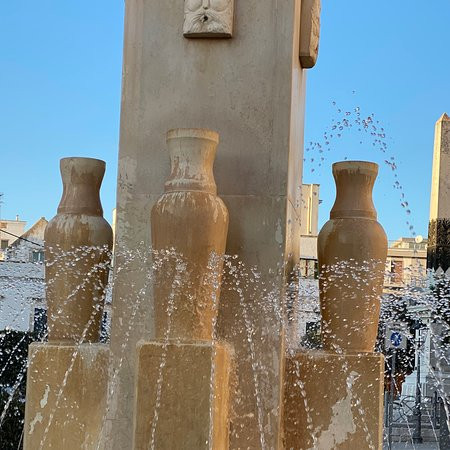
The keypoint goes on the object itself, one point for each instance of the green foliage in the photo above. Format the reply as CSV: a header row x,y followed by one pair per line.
x,y
13,364
394,310
312,338
441,293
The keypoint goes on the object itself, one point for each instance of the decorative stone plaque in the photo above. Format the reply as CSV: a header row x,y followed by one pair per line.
x,y
309,32
208,18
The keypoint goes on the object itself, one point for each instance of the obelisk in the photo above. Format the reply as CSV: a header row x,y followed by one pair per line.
x,y
236,71
438,258
439,225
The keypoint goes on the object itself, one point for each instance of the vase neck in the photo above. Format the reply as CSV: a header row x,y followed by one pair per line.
x,y
192,153
82,178
354,185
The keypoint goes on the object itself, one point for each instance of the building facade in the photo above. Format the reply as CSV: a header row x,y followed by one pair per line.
x,y
406,264
304,307
10,231
22,273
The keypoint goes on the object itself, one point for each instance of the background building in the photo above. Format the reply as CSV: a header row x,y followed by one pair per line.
x,y
22,272
304,308
10,230
406,264
309,230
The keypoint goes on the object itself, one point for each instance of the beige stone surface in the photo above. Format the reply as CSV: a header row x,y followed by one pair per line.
x,y
66,396
352,250
182,396
333,401
310,33
250,89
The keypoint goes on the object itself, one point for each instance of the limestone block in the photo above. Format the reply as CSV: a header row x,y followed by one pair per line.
x,y
309,33
66,395
182,396
333,401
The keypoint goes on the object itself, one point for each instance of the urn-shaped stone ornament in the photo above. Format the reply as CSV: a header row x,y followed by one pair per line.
x,y
189,226
78,243
352,250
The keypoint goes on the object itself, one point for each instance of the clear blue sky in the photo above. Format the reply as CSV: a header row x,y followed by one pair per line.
x,y
60,82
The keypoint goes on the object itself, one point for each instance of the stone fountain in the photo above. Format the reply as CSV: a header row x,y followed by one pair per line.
x,y
197,357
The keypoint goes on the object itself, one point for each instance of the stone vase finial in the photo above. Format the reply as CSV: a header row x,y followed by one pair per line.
x,y
78,243
190,221
352,250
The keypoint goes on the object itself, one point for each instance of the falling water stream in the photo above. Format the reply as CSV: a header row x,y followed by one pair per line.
x,y
247,283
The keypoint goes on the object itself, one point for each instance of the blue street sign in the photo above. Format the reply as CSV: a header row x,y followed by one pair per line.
x,y
396,339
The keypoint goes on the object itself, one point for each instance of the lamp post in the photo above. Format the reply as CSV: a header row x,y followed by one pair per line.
x,y
391,398
417,435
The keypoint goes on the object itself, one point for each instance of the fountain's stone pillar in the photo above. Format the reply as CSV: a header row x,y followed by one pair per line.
x,y
251,89
439,226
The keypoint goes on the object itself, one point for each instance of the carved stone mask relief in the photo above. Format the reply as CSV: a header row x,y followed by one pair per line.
x,y
208,18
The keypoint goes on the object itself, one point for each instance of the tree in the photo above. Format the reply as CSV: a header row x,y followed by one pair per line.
x,y
13,366
394,309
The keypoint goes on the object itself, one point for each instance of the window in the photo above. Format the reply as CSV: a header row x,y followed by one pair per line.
x,y
105,330
4,244
313,327
2,225
309,268
396,270
38,256
312,338
40,322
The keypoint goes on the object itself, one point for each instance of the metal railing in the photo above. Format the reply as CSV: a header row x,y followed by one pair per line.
x,y
402,423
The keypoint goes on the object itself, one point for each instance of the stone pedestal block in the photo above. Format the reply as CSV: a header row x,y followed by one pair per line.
x,y
66,396
182,396
333,401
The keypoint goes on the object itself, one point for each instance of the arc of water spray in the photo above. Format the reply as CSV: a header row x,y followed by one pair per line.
x,y
126,336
